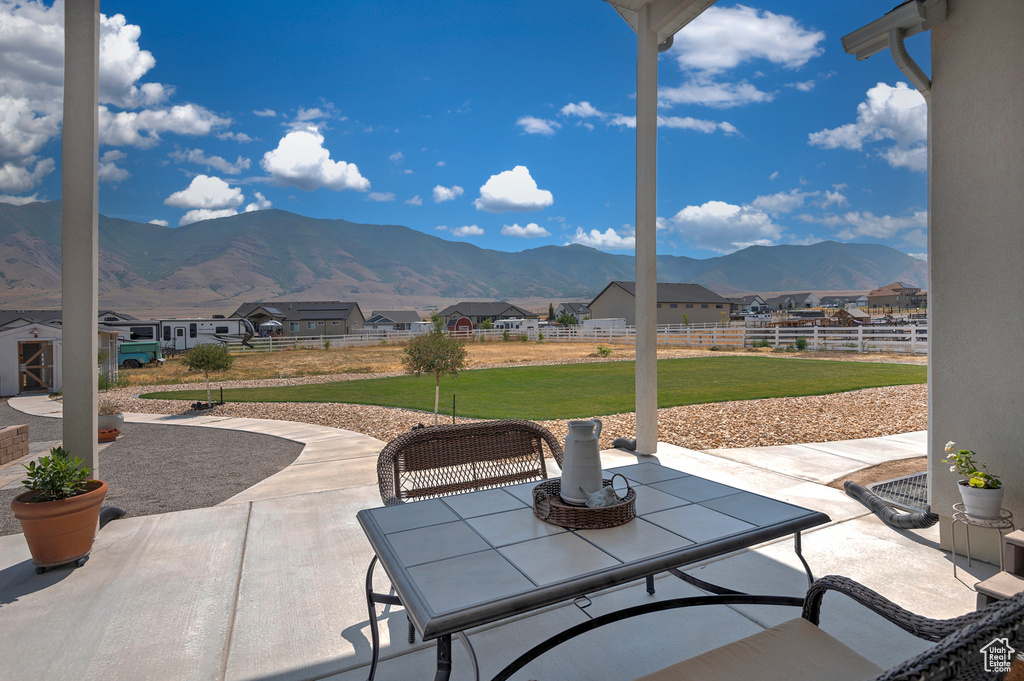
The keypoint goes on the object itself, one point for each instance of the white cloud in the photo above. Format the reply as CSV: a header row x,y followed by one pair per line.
x,y
415,201
833,198
724,37
582,110
380,196
609,239
397,157
774,175
724,228
300,160
200,214
207,193
896,113
530,231
803,86
17,179
261,203
538,126
782,202
266,113
18,200
919,256
236,136
442,228
512,190
867,224
679,122
442,194
708,93
108,169
143,128
162,223
216,162
440,164
467,230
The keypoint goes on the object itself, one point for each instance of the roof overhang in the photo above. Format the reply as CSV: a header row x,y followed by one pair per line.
x,y
910,18
667,16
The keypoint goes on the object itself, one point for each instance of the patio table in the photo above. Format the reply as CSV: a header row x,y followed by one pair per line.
x,y
466,560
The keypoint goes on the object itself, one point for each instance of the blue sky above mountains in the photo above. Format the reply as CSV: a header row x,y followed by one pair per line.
x,y
508,125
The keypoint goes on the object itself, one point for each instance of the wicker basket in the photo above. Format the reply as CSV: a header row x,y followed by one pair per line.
x,y
549,507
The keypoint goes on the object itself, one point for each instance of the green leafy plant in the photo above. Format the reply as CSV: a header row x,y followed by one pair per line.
x,y
106,382
763,343
56,476
505,336
486,324
603,351
523,337
567,318
975,474
434,353
327,343
801,343
207,358
540,337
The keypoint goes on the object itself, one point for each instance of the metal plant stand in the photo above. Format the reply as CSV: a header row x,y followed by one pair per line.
x,y
1004,523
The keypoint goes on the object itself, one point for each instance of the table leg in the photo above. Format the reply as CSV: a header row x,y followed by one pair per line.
x,y
444,658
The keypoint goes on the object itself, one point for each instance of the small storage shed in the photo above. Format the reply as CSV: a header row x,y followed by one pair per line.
x,y
460,326
31,356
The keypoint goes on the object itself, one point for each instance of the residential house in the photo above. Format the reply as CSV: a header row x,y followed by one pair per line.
x,y
849,316
11,318
579,311
838,300
792,301
477,313
297,318
677,303
392,320
751,304
896,294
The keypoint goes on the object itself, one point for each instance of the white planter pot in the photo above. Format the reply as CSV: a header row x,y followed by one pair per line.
x,y
980,502
105,421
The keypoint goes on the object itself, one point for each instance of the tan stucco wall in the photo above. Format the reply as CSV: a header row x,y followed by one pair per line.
x,y
612,303
976,246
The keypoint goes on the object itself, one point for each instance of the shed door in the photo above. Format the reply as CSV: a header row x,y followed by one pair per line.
x,y
180,343
35,366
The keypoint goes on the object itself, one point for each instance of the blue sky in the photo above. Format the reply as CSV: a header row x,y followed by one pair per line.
x,y
504,124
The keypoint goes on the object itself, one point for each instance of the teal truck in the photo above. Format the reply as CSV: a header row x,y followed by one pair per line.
x,y
132,355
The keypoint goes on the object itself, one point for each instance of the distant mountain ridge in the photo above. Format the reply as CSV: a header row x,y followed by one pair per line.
x,y
218,264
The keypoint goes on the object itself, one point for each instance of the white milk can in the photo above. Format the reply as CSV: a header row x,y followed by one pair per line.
x,y
581,462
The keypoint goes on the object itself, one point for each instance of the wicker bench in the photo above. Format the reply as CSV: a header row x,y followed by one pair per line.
x,y
798,649
441,460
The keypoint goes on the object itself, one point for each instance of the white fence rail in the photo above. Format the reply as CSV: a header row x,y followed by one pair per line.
x,y
908,339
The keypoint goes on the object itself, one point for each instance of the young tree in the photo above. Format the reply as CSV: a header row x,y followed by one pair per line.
x,y
567,318
206,358
435,353
551,312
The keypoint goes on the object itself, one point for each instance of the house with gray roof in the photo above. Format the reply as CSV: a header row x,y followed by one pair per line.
x,y
478,312
579,310
305,318
751,304
392,320
677,303
792,301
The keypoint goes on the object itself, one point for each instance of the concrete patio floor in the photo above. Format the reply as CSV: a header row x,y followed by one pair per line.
x,y
269,585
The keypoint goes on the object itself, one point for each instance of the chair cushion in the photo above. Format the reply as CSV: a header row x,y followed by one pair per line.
x,y
792,651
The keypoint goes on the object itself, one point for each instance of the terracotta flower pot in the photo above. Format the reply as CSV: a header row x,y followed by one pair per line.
x,y
108,434
62,531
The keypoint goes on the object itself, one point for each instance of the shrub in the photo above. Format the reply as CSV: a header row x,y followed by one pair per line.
x,y
801,343
383,342
763,343
56,476
505,336
107,408
327,343
523,337
540,338
106,382
603,351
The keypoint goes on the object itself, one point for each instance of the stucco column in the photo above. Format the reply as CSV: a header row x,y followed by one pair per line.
x,y
976,252
80,228
646,236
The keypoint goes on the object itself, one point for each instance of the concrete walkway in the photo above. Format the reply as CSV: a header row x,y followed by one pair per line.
x,y
269,585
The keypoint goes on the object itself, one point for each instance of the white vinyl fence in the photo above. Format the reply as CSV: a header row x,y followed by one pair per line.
x,y
909,339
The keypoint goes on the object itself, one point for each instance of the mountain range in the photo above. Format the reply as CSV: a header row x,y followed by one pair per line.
x,y
215,265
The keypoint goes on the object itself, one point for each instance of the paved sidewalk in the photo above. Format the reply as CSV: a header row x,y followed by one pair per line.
x,y
269,585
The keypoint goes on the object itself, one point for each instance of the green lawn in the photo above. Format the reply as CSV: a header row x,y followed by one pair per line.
x,y
580,390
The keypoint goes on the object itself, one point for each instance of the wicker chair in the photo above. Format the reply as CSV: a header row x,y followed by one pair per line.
x,y
798,649
442,460
433,462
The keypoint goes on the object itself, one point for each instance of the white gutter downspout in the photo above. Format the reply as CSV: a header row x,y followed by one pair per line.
x,y
908,66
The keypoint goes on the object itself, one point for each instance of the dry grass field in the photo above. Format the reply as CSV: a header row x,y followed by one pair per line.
x,y
387,359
